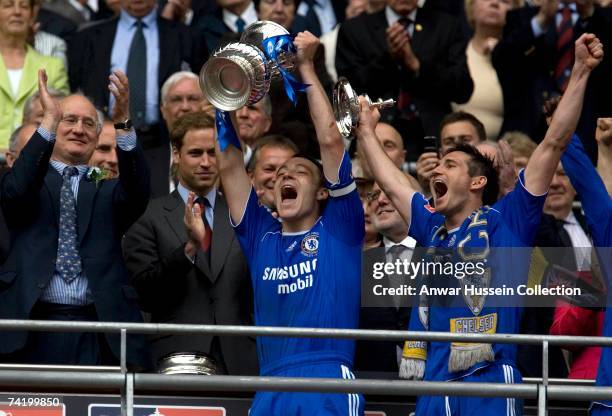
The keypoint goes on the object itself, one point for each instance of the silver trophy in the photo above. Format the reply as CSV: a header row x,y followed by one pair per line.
x,y
239,73
236,75
346,107
187,363
255,34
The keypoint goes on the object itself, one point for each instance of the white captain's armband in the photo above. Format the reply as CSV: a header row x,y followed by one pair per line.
x,y
336,193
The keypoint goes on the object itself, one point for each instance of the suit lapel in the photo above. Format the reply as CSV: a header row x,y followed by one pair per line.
x,y
104,40
85,203
53,183
29,75
167,45
223,234
379,28
175,211
5,84
425,30
174,215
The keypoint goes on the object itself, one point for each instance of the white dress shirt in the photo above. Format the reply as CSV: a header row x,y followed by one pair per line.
x,y
249,16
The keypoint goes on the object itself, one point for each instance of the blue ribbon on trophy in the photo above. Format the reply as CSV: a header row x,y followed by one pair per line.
x,y
226,134
274,47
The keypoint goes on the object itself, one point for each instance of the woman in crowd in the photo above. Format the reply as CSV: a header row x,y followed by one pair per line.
x,y
19,65
487,18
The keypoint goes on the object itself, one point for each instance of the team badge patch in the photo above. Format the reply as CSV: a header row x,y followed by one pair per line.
x,y
310,244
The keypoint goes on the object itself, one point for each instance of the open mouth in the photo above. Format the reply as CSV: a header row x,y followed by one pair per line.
x,y
440,188
288,192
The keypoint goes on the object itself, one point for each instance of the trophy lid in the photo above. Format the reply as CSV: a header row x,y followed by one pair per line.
x,y
256,32
346,107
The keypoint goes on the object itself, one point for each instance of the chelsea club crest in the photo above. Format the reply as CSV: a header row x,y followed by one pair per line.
x,y
310,244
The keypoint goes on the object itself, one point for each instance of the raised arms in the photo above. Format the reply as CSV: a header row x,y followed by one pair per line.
x,y
542,164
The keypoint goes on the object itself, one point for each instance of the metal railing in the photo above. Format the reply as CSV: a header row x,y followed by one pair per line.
x,y
76,378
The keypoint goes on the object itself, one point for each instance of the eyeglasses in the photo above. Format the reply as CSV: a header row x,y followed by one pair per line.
x,y
72,120
373,196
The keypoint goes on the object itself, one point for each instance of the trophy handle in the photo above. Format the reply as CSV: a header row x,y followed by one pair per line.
x,y
346,107
380,104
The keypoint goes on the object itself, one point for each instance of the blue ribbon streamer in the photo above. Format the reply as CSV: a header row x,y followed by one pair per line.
x,y
273,48
226,134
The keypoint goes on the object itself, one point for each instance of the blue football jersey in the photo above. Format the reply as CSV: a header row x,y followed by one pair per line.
x,y
306,279
597,207
511,222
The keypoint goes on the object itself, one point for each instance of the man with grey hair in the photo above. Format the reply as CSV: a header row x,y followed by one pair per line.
x,y
254,121
32,109
18,140
180,94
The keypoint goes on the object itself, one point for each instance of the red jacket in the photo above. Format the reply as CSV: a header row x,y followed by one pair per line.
x,y
574,320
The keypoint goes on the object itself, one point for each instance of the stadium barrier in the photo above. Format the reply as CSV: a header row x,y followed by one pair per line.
x,y
119,379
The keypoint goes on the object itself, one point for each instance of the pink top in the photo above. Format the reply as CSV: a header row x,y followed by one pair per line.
x,y
574,320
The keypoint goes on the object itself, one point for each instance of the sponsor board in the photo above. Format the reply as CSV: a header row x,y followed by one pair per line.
x,y
7,410
151,410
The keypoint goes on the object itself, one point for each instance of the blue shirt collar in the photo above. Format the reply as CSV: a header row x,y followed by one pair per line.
x,y
60,166
211,196
150,20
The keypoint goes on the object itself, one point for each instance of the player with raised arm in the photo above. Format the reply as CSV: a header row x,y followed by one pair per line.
x,y
306,269
468,218
597,206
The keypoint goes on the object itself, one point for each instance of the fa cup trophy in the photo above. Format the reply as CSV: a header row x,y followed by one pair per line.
x,y
346,107
240,73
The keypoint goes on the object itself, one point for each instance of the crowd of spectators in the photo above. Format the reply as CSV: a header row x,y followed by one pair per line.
x,y
476,72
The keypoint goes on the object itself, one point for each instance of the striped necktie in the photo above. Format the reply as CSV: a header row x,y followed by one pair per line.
x,y
68,262
565,49
205,243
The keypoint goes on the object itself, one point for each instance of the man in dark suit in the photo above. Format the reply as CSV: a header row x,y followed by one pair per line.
x,y
227,22
393,313
320,16
56,24
532,60
66,226
141,43
416,56
77,12
184,274
288,119
180,94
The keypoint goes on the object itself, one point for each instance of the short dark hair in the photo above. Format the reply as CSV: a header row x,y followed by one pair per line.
x,y
480,165
190,121
467,117
314,161
272,140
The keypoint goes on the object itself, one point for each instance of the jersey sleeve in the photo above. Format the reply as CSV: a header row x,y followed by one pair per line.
x,y
423,219
343,215
596,202
256,221
521,211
